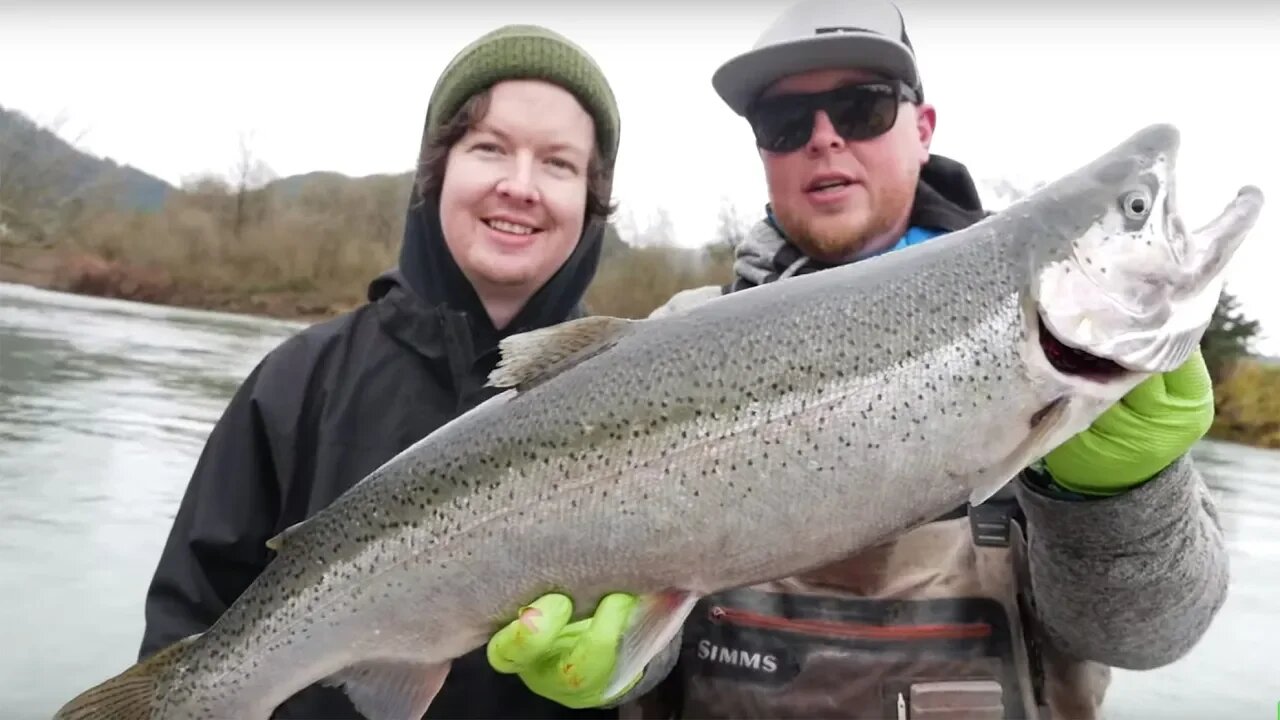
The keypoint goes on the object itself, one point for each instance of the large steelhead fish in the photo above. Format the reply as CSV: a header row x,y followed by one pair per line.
x,y
758,435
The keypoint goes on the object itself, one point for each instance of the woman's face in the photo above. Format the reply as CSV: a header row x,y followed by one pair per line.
x,y
514,194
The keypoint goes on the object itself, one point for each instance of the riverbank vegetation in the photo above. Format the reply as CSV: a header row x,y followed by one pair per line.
x,y
1248,404
305,247
1246,387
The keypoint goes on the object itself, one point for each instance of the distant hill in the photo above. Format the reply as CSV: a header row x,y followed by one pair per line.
x,y
294,185
41,172
40,165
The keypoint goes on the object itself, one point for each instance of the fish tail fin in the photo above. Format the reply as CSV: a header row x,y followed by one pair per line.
x,y
132,694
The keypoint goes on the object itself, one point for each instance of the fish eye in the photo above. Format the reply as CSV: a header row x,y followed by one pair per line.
x,y
1136,204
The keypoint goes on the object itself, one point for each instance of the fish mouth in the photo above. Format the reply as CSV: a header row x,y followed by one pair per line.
x,y
1210,247
1073,361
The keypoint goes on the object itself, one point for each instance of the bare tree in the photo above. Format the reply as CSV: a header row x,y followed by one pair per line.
x,y
249,176
732,228
660,230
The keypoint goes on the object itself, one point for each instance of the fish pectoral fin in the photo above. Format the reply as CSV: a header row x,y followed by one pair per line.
x,y
391,689
655,620
529,358
1047,426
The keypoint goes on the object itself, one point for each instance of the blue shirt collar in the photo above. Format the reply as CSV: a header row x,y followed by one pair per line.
x,y
914,235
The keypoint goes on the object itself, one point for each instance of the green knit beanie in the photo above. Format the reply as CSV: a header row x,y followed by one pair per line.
x,y
528,52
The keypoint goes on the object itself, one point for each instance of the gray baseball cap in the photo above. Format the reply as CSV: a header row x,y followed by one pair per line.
x,y
821,34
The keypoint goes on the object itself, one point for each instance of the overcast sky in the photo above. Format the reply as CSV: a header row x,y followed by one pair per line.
x,y
1025,93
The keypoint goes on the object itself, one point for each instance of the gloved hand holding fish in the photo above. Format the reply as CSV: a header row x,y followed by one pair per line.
x,y
1140,435
761,433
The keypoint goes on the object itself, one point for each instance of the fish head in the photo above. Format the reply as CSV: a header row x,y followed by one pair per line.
x,y
1116,273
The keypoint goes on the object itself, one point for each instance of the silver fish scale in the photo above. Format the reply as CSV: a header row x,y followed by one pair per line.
x,y
718,448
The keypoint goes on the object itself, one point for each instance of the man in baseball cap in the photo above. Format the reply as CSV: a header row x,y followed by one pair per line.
x,y
833,96
944,620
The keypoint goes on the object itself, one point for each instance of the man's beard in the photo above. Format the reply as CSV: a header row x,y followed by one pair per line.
x,y
840,238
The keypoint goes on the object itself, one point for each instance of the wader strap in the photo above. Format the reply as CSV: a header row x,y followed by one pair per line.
x,y
990,522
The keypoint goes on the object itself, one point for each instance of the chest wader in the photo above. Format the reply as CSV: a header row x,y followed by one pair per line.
x,y
932,626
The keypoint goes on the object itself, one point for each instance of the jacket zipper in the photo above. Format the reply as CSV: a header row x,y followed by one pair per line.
x,y
852,630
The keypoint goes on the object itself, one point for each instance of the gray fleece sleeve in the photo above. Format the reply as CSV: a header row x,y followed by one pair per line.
x,y
1133,580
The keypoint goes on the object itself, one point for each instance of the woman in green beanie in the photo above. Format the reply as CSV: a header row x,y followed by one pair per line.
x,y
502,235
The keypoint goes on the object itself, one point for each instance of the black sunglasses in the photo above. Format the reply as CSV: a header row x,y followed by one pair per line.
x,y
783,123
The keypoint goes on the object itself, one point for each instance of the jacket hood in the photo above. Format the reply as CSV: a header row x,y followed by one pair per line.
x,y
946,196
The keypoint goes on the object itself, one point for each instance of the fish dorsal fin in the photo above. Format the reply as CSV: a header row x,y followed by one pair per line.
x,y
277,542
533,357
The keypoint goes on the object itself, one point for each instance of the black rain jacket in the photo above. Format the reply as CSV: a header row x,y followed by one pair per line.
x,y
321,411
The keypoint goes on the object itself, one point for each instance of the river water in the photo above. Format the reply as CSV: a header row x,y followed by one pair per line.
x,y
104,407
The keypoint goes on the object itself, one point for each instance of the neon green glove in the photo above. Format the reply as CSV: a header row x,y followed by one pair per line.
x,y
566,663
1152,426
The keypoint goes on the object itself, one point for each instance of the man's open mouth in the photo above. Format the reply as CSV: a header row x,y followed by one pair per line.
x,y
828,184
